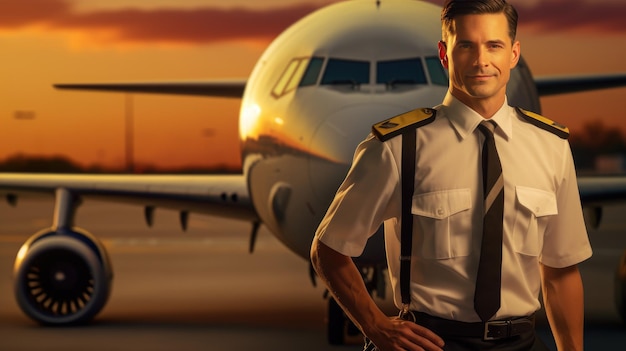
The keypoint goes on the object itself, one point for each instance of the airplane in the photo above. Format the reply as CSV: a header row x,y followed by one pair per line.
x,y
311,98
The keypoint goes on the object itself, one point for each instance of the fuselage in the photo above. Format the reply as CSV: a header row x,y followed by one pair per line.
x,y
315,93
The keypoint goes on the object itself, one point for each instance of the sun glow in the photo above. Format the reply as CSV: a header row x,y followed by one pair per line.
x,y
248,120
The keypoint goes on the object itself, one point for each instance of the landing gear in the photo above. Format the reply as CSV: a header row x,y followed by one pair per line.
x,y
620,288
62,278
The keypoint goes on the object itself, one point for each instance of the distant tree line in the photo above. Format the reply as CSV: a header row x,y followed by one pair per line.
x,y
60,164
596,139
40,164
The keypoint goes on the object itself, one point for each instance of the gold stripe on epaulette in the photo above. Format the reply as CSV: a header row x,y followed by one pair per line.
x,y
545,123
393,126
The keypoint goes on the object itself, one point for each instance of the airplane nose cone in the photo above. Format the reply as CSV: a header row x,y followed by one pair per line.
x,y
341,132
337,138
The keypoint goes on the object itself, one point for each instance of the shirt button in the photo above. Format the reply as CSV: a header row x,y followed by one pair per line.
x,y
537,209
440,211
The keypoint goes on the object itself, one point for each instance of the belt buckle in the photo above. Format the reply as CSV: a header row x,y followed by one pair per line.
x,y
486,332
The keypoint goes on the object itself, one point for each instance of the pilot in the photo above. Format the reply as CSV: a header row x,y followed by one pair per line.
x,y
480,207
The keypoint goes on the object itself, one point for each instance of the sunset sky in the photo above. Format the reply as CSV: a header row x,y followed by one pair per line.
x,y
68,41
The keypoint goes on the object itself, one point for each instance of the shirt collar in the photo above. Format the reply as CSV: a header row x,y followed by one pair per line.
x,y
465,120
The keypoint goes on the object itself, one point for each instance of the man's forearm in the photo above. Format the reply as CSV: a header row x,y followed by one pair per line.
x,y
563,300
346,284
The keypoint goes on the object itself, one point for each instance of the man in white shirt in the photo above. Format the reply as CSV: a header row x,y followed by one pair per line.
x,y
542,233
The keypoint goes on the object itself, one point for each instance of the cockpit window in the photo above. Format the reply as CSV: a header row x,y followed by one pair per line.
x,y
437,74
300,71
305,71
285,78
407,71
312,71
346,72
297,74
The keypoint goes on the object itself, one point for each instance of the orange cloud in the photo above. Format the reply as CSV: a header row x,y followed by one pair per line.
x,y
587,16
17,14
210,24
197,25
602,17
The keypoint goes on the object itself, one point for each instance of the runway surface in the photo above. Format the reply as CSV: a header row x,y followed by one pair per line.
x,y
201,290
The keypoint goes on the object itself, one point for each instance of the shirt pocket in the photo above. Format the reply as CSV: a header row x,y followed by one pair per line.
x,y
534,208
443,224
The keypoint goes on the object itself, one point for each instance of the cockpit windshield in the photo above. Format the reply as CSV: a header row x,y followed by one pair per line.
x,y
407,71
350,72
312,71
306,71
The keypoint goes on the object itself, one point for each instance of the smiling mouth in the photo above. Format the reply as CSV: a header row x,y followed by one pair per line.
x,y
480,77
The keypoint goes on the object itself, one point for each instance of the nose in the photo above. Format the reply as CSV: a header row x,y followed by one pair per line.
x,y
481,57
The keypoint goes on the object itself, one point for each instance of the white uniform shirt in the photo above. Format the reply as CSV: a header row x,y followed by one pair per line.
x,y
543,219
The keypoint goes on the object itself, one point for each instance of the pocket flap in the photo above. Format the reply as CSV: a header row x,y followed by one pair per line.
x,y
442,204
537,201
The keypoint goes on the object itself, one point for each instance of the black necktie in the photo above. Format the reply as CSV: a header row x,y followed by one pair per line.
x,y
487,293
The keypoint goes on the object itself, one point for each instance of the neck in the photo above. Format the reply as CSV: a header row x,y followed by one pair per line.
x,y
486,107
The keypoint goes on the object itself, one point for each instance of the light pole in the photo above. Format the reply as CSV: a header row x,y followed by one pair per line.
x,y
129,147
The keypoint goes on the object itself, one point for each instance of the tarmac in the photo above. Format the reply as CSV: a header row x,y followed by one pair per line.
x,y
202,290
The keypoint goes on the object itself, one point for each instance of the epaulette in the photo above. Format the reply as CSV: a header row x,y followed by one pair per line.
x,y
393,126
545,123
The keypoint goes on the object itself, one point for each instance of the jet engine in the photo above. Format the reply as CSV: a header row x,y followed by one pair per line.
x,y
62,277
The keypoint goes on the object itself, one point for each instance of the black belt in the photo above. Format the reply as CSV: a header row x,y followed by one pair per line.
x,y
491,330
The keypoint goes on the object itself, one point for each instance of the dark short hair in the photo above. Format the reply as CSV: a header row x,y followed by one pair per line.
x,y
453,8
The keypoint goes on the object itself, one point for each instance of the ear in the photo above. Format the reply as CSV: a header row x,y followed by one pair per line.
x,y
443,57
515,53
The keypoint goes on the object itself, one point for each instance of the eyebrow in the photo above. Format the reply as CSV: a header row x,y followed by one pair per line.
x,y
496,41
493,41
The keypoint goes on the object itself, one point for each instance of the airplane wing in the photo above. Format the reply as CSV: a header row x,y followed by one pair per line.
x,y
232,88
226,196
596,191
222,195
571,84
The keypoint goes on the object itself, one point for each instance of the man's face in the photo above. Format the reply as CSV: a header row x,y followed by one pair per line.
x,y
479,57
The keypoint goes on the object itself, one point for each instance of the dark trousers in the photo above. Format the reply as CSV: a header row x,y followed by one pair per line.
x,y
461,336
526,342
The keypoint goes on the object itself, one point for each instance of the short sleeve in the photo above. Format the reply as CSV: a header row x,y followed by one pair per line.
x,y
363,201
566,241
